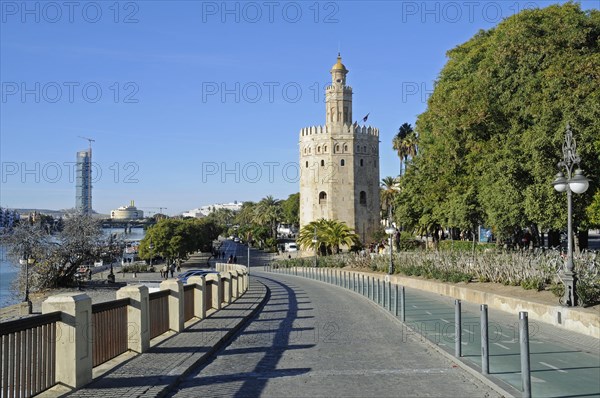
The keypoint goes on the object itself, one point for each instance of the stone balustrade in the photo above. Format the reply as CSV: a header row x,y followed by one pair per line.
x,y
74,328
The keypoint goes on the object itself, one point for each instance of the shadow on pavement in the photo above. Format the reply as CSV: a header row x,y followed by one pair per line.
x,y
263,340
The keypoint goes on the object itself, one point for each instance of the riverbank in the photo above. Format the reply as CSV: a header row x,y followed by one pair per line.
x,y
101,291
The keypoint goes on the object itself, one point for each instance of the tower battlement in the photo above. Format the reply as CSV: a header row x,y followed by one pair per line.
x,y
346,89
346,129
368,130
313,130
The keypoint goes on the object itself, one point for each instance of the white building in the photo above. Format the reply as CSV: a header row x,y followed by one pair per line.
x,y
206,210
127,213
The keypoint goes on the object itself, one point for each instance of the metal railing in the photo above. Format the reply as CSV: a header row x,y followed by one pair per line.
x,y
159,313
109,322
27,355
188,302
210,285
224,283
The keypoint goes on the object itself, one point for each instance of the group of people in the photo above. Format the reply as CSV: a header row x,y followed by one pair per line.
x,y
221,255
164,271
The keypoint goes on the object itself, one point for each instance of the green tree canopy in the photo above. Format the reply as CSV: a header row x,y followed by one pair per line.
x,y
291,209
175,239
492,134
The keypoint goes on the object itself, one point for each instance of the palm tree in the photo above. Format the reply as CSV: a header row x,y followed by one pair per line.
x,y
390,187
404,144
331,235
267,212
339,234
307,235
411,145
246,214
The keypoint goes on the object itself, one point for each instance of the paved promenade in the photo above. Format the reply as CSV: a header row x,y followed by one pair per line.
x,y
318,340
152,373
563,363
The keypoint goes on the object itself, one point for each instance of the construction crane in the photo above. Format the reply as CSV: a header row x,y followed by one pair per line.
x,y
160,209
90,140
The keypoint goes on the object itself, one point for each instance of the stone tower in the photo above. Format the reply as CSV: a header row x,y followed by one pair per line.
x,y
339,164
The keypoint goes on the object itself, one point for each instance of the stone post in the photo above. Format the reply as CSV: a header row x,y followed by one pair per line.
x,y
138,317
226,278
74,337
235,280
244,278
199,283
176,318
242,282
216,293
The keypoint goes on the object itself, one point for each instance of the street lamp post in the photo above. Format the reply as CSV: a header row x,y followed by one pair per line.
x,y
249,236
27,261
315,241
577,183
390,231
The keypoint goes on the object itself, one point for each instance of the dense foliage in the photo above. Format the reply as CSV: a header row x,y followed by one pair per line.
x,y
175,239
492,134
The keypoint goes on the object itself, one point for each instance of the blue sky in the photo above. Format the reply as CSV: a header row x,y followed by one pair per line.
x,y
200,102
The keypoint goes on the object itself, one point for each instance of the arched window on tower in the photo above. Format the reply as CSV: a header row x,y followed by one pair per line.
x,y
361,163
322,163
365,149
342,162
337,148
325,149
307,164
318,149
358,148
345,147
363,198
322,198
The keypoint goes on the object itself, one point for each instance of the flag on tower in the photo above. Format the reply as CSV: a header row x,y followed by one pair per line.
x,y
366,117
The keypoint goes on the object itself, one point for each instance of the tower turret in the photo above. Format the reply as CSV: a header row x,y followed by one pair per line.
x,y
339,164
338,98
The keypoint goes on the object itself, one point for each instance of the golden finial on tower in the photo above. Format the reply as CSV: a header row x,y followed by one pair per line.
x,y
339,65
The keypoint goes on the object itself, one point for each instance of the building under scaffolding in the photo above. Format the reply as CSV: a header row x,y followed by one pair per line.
x,y
83,194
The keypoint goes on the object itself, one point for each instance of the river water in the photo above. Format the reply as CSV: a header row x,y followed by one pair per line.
x,y
8,273
9,268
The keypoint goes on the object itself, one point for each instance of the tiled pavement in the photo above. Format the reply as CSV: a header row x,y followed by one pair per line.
x,y
563,363
150,374
314,340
